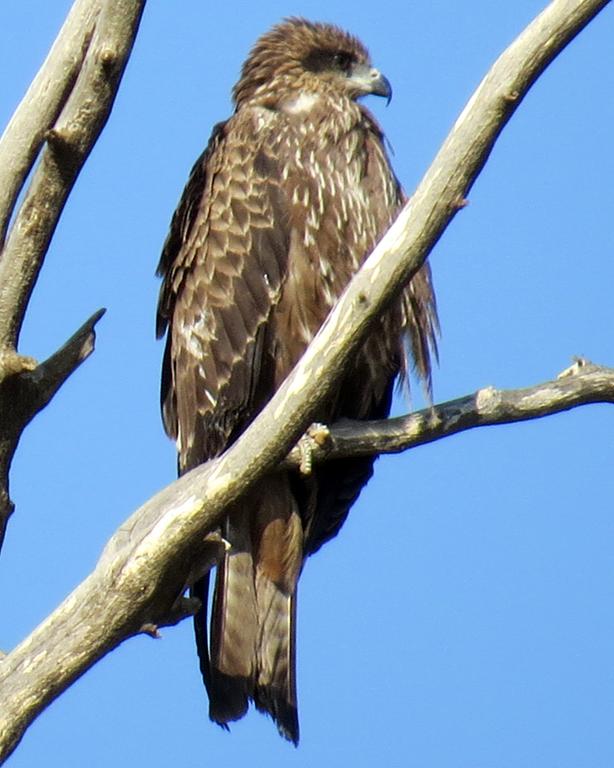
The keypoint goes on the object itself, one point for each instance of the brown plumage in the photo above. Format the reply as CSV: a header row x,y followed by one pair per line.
x,y
288,199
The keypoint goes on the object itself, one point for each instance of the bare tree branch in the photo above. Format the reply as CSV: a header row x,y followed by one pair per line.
x,y
69,140
582,385
49,376
42,104
25,389
60,118
138,582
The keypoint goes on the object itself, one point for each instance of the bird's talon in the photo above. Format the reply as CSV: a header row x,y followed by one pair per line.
x,y
316,436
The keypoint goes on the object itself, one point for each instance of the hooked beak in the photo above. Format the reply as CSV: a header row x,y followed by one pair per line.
x,y
371,80
380,85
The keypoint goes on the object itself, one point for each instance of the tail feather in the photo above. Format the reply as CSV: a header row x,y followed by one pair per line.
x,y
253,622
200,590
233,629
275,690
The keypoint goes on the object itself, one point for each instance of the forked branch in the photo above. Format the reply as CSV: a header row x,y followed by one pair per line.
x,y
57,123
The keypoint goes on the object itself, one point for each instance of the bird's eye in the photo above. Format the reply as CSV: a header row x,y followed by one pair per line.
x,y
323,59
342,61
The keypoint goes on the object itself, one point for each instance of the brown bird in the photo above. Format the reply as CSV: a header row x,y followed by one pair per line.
x,y
291,194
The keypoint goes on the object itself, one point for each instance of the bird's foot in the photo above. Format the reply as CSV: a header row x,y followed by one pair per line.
x,y
316,437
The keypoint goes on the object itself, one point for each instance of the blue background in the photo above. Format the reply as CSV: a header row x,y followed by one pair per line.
x,y
464,617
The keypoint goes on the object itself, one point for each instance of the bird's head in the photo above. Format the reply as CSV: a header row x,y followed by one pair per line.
x,y
303,57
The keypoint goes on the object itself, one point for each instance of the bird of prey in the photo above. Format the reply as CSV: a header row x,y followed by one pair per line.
x,y
290,196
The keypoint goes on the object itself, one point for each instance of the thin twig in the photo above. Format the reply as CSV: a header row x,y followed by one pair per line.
x,y
486,407
25,389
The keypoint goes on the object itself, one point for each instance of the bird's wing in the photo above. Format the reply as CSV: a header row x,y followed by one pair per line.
x,y
223,266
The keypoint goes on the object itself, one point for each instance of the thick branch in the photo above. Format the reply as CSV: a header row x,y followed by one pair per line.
x,y
142,570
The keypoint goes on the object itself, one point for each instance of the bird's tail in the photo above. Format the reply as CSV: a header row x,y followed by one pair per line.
x,y
234,626
275,685
254,607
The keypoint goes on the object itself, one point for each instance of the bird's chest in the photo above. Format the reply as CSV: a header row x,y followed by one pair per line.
x,y
339,202
329,201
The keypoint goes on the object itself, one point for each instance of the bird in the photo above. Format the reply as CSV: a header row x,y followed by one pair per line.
x,y
291,194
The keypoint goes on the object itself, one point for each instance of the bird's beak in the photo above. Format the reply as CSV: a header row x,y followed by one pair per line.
x,y
371,80
380,85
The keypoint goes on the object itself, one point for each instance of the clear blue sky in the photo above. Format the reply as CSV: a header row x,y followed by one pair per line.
x,y
464,618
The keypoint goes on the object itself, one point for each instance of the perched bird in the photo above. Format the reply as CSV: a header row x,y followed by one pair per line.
x,y
291,194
